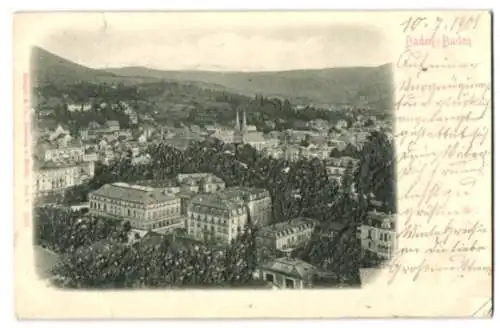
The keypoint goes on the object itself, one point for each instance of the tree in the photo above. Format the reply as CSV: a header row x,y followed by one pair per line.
x,y
306,141
376,174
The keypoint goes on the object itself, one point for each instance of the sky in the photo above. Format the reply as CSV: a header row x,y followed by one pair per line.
x,y
228,41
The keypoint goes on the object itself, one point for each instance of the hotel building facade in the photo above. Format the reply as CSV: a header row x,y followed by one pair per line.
x,y
378,234
212,218
53,177
144,207
286,236
256,200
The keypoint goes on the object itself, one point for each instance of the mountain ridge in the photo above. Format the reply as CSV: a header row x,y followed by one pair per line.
x,y
328,85
358,86
47,67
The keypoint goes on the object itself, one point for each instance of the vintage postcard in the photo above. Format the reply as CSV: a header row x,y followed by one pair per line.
x,y
253,164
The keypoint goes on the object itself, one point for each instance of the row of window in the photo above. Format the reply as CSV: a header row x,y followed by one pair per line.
x,y
155,225
293,240
98,199
380,248
214,211
55,184
213,228
212,220
135,214
131,204
216,238
383,236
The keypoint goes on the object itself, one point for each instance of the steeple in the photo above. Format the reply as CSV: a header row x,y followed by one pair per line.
x,y
237,125
244,126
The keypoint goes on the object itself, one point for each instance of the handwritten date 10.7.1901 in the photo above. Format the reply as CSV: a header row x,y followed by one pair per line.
x,y
438,24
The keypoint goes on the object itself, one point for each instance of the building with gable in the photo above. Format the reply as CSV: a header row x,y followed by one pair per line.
x,y
287,273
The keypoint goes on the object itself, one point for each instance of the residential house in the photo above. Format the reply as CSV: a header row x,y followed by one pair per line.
x,y
287,273
286,236
378,234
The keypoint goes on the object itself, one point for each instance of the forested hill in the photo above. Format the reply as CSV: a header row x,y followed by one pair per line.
x,y
48,68
371,86
357,86
57,81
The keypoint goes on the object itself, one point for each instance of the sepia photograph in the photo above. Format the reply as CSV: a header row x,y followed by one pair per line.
x,y
269,164
150,172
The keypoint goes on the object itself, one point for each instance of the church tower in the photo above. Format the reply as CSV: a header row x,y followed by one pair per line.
x,y
244,127
240,130
237,129
237,125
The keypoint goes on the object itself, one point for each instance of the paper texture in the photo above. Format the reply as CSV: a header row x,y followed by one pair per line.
x,y
442,266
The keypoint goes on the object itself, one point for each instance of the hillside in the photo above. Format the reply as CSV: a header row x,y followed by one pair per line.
x,y
48,68
354,85
359,86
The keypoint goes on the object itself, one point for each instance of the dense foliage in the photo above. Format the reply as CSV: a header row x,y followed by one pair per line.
x,y
297,189
65,231
158,262
173,103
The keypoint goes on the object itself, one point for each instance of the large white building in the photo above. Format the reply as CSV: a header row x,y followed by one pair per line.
x,y
257,200
144,207
212,218
95,130
378,234
286,236
53,177
221,216
223,134
337,166
71,151
190,182
201,182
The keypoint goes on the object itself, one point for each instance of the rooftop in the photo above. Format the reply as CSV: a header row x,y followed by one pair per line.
x,y
254,136
157,183
377,215
288,227
134,193
217,201
198,177
241,193
381,220
290,267
50,165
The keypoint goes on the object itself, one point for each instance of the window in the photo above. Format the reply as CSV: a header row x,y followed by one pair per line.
x,y
270,277
289,283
